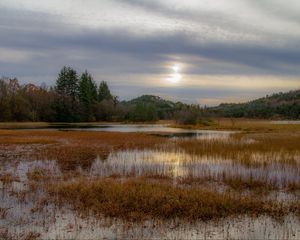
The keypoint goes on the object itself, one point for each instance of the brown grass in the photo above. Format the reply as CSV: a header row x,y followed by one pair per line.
x,y
8,178
272,147
154,195
240,184
106,140
3,212
293,187
38,174
31,235
21,125
6,235
139,200
236,183
25,140
83,147
243,124
73,149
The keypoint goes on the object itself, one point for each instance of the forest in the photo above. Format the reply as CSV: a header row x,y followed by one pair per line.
x,y
276,106
77,98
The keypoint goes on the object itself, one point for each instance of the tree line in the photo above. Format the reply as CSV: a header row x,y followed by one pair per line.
x,y
276,106
73,98
77,98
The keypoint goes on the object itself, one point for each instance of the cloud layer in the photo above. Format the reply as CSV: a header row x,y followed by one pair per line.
x,y
227,50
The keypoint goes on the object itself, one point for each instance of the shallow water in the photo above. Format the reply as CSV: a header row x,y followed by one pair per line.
x,y
63,223
161,130
180,164
66,225
53,222
155,129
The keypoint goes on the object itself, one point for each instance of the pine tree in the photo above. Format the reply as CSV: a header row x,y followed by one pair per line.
x,y
104,92
67,82
87,94
67,87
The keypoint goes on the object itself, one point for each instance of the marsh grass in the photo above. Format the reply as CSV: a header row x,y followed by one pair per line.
x,y
83,148
293,187
136,176
39,174
3,212
22,125
71,157
261,151
8,178
71,149
243,124
239,184
31,236
235,182
191,169
25,140
139,200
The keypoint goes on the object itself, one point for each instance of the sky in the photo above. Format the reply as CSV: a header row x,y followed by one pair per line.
x,y
195,51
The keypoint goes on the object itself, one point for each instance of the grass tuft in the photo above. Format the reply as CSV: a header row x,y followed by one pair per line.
x,y
137,200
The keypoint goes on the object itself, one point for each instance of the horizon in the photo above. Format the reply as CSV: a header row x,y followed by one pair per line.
x,y
174,101
197,52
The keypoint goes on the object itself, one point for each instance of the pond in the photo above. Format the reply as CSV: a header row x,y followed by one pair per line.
x,y
153,129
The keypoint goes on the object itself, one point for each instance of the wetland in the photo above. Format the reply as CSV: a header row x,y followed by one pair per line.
x,y
150,181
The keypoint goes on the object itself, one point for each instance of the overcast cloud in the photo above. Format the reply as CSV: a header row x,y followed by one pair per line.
x,y
224,51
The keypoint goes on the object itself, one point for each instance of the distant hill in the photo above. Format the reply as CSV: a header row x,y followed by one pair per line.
x,y
275,106
164,108
279,105
157,101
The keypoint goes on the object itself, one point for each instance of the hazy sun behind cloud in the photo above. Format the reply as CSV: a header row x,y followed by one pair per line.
x,y
176,76
172,46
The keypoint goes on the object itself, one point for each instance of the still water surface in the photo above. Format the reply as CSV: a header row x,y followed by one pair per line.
x,y
156,129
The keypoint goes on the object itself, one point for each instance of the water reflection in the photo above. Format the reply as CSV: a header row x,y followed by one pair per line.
x,y
179,164
56,223
153,129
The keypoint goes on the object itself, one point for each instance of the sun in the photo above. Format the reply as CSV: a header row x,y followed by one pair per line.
x,y
175,76
175,68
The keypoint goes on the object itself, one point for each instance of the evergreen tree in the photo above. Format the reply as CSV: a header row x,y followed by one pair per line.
x,y
67,105
87,95
144,112
104,92
67,82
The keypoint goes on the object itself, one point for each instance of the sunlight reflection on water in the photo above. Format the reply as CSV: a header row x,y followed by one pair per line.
x,y
179,164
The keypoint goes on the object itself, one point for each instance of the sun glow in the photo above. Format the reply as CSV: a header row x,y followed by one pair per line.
x,y
175,77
